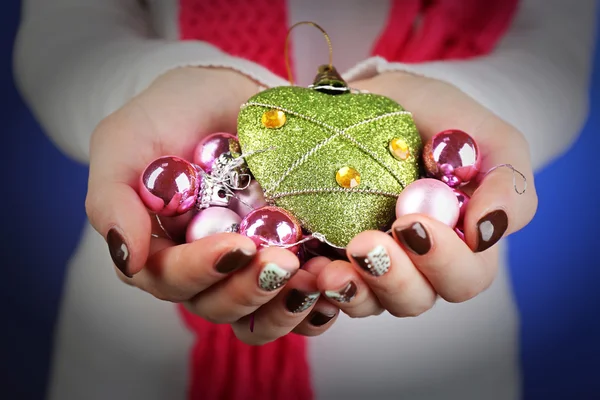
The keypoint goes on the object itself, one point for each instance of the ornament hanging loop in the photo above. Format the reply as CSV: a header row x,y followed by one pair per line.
x,y
286,50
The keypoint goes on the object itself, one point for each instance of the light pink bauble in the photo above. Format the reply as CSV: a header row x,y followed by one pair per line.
x,y
169,186
211,221
248,199
210,148
272,226
430,197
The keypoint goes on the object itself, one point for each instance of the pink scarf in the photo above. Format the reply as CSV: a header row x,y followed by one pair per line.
x,y
416,31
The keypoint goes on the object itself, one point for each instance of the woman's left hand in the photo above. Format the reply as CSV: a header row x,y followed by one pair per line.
x,y
426,257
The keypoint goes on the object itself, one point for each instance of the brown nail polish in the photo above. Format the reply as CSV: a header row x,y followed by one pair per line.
x,y
376,263
414,238
320,319
234,260
298,301
490,229
343,296
119,252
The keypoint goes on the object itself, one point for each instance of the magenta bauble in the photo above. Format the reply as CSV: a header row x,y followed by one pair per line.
x,y
211,148
453,157
271,226
169,186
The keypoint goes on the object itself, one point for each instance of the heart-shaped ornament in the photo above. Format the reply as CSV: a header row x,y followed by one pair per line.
x,y
337,162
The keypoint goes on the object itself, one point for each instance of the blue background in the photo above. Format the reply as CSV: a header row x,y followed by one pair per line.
x,y
556,286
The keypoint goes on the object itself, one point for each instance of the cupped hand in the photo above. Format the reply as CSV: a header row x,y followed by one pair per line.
x,y
170,118
424,258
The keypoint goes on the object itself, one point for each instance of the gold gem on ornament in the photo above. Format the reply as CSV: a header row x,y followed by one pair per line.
x,y
347,177
399,149
273,119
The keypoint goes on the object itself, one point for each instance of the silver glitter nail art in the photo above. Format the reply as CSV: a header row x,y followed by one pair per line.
x,y
272,277
343,296
309,300
377,262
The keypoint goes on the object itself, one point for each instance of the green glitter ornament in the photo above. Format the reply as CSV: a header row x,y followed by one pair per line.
x,y
325,155
335,159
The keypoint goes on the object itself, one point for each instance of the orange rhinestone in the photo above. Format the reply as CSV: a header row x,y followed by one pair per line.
x,y
273,119
347,177
399,149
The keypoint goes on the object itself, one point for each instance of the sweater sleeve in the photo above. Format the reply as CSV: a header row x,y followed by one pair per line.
x,y
77,61
537,79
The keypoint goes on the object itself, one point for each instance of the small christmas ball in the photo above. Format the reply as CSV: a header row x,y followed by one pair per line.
x,y
169,186
271,226
211,148
453,157
211,221
430,197
248,199
463,201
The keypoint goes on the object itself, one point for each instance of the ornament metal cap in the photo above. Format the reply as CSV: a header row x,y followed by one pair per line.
x,y
329,81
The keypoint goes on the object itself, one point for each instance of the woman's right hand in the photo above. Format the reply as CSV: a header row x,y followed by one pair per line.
x,y
170,118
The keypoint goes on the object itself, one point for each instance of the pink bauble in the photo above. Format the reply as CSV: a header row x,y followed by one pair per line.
x,y
271,226
248,199
169,186
453,157
430,197
210,148
211,221
463,201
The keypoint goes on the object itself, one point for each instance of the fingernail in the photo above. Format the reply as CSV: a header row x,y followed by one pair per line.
x,y
272,277
414,238
320,319
344,295
119,252
234,260
376,263
298,301
490,229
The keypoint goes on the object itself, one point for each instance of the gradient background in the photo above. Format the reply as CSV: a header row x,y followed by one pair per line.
x,y
554,265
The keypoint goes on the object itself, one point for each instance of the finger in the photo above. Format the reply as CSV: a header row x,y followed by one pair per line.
x,y
321,318
343,286
117,213
244,292
316,265
496,208
282,314
455,272
401,289
178,273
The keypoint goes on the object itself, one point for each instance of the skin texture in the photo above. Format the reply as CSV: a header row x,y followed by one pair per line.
x,y
186,104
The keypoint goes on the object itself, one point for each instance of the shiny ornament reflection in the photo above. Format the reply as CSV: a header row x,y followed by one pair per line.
x,y
169,186
210,148
271,226
453,157
463,201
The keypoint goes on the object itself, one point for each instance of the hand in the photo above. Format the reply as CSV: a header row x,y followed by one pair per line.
x,y
170,118
427,258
